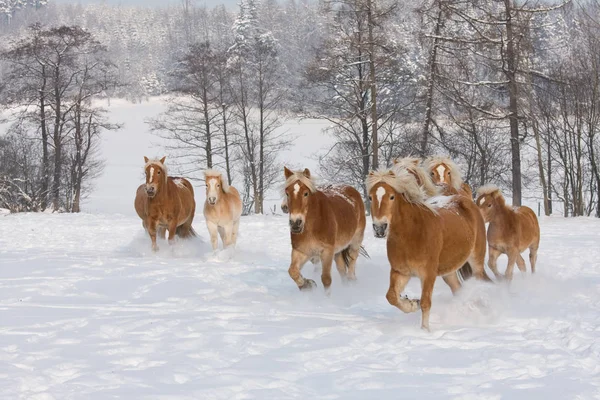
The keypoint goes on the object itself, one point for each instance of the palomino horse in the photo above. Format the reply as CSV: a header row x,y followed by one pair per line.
x,y
446,173
413,166
222,209
165,203
328,224
511,231
424,239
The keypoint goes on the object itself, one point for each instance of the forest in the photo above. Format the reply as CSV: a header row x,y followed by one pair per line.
x,y
509,89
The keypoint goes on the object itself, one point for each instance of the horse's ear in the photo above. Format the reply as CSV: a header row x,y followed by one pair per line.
x,y
416,162
306,172
391,173
371,173
146,159
287,172
396,161
162,160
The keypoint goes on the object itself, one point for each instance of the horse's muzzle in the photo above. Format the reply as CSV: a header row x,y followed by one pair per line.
x,y
212,201
380,230
151,192
297,226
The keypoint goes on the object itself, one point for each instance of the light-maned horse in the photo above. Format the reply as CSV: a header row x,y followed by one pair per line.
x,y
446,173
511,230
326,224
222,209
423,178
165,203
424,240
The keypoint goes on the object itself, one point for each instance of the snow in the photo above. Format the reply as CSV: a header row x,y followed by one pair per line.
x,y
87,311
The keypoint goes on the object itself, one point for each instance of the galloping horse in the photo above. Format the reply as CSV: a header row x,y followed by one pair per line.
x,y
446,173
414,167
327,224
511,231
222,209
164,202
424,239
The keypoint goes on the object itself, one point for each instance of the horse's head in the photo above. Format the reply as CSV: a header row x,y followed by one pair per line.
x,y
298,191
156,175
489,197
413,166
382,197
444,171
215,186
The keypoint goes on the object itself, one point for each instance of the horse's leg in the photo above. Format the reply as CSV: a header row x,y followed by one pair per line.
x,y
227,235
161,232
521,263
397,284
298,261
341,266
492,261
172,227
151,226
452,281
326,261
426,291
234,234
513,255
533,256
213,231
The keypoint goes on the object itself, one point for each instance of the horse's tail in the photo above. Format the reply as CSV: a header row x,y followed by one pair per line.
x,y
347,257
465,272
184,231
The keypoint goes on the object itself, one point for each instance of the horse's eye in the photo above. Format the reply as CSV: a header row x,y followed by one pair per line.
x,y
392,197
489,205
218,185
370,198
287,194
305,194
158,172
432,174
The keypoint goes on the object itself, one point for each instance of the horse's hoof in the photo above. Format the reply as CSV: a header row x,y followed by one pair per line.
x,y
308,285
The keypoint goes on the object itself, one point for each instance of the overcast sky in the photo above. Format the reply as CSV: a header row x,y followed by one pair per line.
x,y
151,3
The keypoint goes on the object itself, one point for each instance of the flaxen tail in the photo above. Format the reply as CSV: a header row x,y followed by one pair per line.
x,y
185,232
347,257
465,272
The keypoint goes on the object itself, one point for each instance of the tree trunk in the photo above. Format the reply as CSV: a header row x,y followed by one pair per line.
x,y
226,142
429,95
549,170
261,144
209,161
538,147
57,143
510,73
45,151
373,85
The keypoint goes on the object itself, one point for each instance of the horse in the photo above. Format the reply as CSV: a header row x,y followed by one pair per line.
x,y
445,172
425,239
165,202
414,167
222,209
326,224
511,230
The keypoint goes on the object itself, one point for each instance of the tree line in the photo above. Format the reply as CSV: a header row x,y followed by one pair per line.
x,y
508,88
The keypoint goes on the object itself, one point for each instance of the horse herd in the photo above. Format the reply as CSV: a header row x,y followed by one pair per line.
x,y
433,225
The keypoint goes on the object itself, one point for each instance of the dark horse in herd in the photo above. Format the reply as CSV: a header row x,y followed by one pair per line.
x,y
423,208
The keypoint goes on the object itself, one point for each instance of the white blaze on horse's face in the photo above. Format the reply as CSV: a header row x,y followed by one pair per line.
x,y
153,173
381,210
297,196
441,170
213,190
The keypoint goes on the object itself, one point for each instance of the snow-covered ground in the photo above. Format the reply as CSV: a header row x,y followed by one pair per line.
x,y
87,311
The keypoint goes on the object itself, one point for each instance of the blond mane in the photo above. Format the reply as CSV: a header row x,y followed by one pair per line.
x,y
455,175
213,173
156,161
413,164
403,182
488,189
299,176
